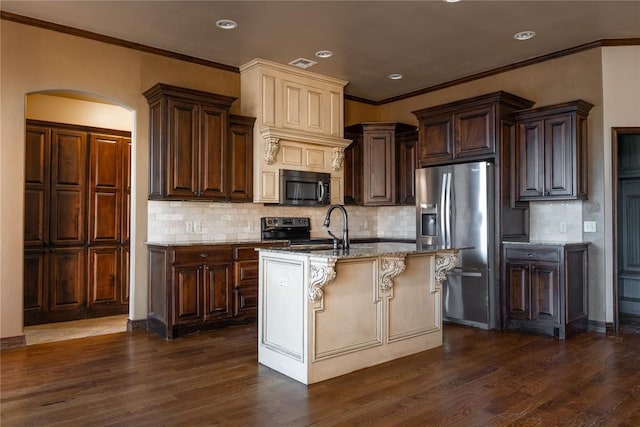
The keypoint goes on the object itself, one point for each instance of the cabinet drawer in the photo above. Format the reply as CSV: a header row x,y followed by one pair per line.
x,y
203,253
533,254
246,273
244,253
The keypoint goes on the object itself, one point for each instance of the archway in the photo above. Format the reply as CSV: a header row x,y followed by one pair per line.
x,y
77,208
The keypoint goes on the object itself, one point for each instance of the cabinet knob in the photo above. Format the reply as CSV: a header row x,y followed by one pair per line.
x,y
533,267
204,255
530,255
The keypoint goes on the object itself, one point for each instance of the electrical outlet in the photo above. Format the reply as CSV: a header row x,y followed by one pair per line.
x,y
589,226
250,226
563,226
189,226
365,225
197,226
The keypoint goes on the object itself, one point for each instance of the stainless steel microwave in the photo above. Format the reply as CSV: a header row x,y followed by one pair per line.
x,y
304,188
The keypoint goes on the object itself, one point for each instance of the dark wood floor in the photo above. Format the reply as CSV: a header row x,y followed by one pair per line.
x,y
477,378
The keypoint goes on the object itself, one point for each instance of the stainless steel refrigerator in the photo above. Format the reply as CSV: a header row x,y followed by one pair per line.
x,y
454,207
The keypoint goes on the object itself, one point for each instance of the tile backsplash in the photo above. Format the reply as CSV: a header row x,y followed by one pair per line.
x,y
219,222
555,221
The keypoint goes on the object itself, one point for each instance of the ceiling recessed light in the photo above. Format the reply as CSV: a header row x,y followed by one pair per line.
x,y
395,76
451,1
324,54
524,35
226,24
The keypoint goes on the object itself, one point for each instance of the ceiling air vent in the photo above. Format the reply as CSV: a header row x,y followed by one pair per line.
x,y
302,63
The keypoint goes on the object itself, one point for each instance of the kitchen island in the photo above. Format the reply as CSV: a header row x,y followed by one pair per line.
x,y
323,313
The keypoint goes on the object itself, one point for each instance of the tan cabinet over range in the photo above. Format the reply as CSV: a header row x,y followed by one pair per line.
x,y
299,125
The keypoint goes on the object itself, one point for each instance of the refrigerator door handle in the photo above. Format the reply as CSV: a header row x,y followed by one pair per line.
x,y
448,210
443,214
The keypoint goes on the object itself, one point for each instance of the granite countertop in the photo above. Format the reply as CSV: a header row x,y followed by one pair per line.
x,y
543,243
256,242
365,250
252,242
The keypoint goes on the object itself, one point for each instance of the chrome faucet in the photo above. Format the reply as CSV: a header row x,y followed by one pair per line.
x,y
345,229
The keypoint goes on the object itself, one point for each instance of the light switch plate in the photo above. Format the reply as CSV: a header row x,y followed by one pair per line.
x,y
589,226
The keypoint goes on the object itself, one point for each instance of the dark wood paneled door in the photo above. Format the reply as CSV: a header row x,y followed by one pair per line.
x,y
182,147
75,230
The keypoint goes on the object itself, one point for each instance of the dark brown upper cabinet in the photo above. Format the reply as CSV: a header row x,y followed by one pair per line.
x,y
370,165
464,130
550,155
193,152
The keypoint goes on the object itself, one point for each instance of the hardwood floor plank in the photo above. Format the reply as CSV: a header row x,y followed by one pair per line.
x,y
477,378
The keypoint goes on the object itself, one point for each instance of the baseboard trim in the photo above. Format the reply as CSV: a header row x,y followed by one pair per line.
x,y
136,325
13,342
598,326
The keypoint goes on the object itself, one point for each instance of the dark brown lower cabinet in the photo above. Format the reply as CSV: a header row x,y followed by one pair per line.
x,y
546,287
199,287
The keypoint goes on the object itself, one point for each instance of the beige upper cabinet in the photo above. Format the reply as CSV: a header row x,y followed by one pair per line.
x,y
299,124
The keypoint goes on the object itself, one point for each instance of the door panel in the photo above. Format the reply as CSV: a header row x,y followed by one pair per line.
x,y
213,148
68,181
559,157
183,149
629,246
530,159
37,185
218,284
68,279
545,291
35,280
104,275
519,291
105,188
188,293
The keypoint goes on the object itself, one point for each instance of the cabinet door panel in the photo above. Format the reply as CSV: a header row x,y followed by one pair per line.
x,y
246,302
241,161
182,150
475,132
37,170
218,283
436,139
246,273
68,181
530,158
545,290
36,270
379,168
68,279
104,275
187,289
105,188
213,169
519,291
407,161
559,156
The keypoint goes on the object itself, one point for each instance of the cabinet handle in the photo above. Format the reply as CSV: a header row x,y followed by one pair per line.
x,y
533,267
530,255
204,255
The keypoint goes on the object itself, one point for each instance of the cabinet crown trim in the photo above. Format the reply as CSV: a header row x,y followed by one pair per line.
x,y
163,89
501,97
291,70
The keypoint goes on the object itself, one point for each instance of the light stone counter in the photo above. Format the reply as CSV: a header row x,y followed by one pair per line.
x,y
324,313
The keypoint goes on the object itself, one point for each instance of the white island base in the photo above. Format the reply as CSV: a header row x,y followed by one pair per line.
x,y
321,316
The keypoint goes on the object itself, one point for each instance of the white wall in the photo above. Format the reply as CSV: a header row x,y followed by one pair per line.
x,y
621,107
